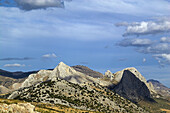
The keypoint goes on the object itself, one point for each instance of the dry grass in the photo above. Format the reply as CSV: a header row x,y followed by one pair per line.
x,y
166,110
48,108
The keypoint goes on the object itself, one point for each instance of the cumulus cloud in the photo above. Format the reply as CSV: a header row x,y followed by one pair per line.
x,y
135,42
49,56
165,40
146,27
14,65
39,4
8,59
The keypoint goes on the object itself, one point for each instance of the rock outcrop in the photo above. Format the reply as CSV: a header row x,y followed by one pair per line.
x,y
17,108
109,74
132,88
118,76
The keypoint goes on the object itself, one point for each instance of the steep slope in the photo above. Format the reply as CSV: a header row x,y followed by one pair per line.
x,y
160,88
88,96
132,88
116,78
88,71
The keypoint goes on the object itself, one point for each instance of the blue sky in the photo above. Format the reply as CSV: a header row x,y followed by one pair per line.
x,y
100,34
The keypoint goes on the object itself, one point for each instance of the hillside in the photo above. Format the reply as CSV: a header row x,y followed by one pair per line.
x,y
86,96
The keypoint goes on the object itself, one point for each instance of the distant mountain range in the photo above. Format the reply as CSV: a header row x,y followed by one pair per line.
x,y
16,75
82,88
160,88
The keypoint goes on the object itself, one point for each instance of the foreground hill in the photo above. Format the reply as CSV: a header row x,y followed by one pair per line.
x,y
85,96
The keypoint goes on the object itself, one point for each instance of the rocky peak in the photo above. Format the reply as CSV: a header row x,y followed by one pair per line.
x,y
118,76
132,88
62,71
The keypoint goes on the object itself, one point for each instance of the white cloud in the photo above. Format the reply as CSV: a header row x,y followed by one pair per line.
x,y
49,56
144,59
148,27
14,65
39,4
135,42
165,39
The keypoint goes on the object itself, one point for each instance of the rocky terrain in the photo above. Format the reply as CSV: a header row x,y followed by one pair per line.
x,y
86,96
17,108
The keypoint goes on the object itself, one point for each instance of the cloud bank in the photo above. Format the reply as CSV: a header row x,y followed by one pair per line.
x,y
9,59
137,42
39,4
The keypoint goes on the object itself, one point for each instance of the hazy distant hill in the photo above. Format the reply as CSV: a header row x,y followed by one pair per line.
x,y
160,88
16,75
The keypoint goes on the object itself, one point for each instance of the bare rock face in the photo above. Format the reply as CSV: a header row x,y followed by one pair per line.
x,y
118,76
17,108
109,74
132,88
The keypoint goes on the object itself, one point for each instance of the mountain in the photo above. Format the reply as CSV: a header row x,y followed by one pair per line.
x,y
62,71
15,75
117,77
87,96
132,88
160,88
